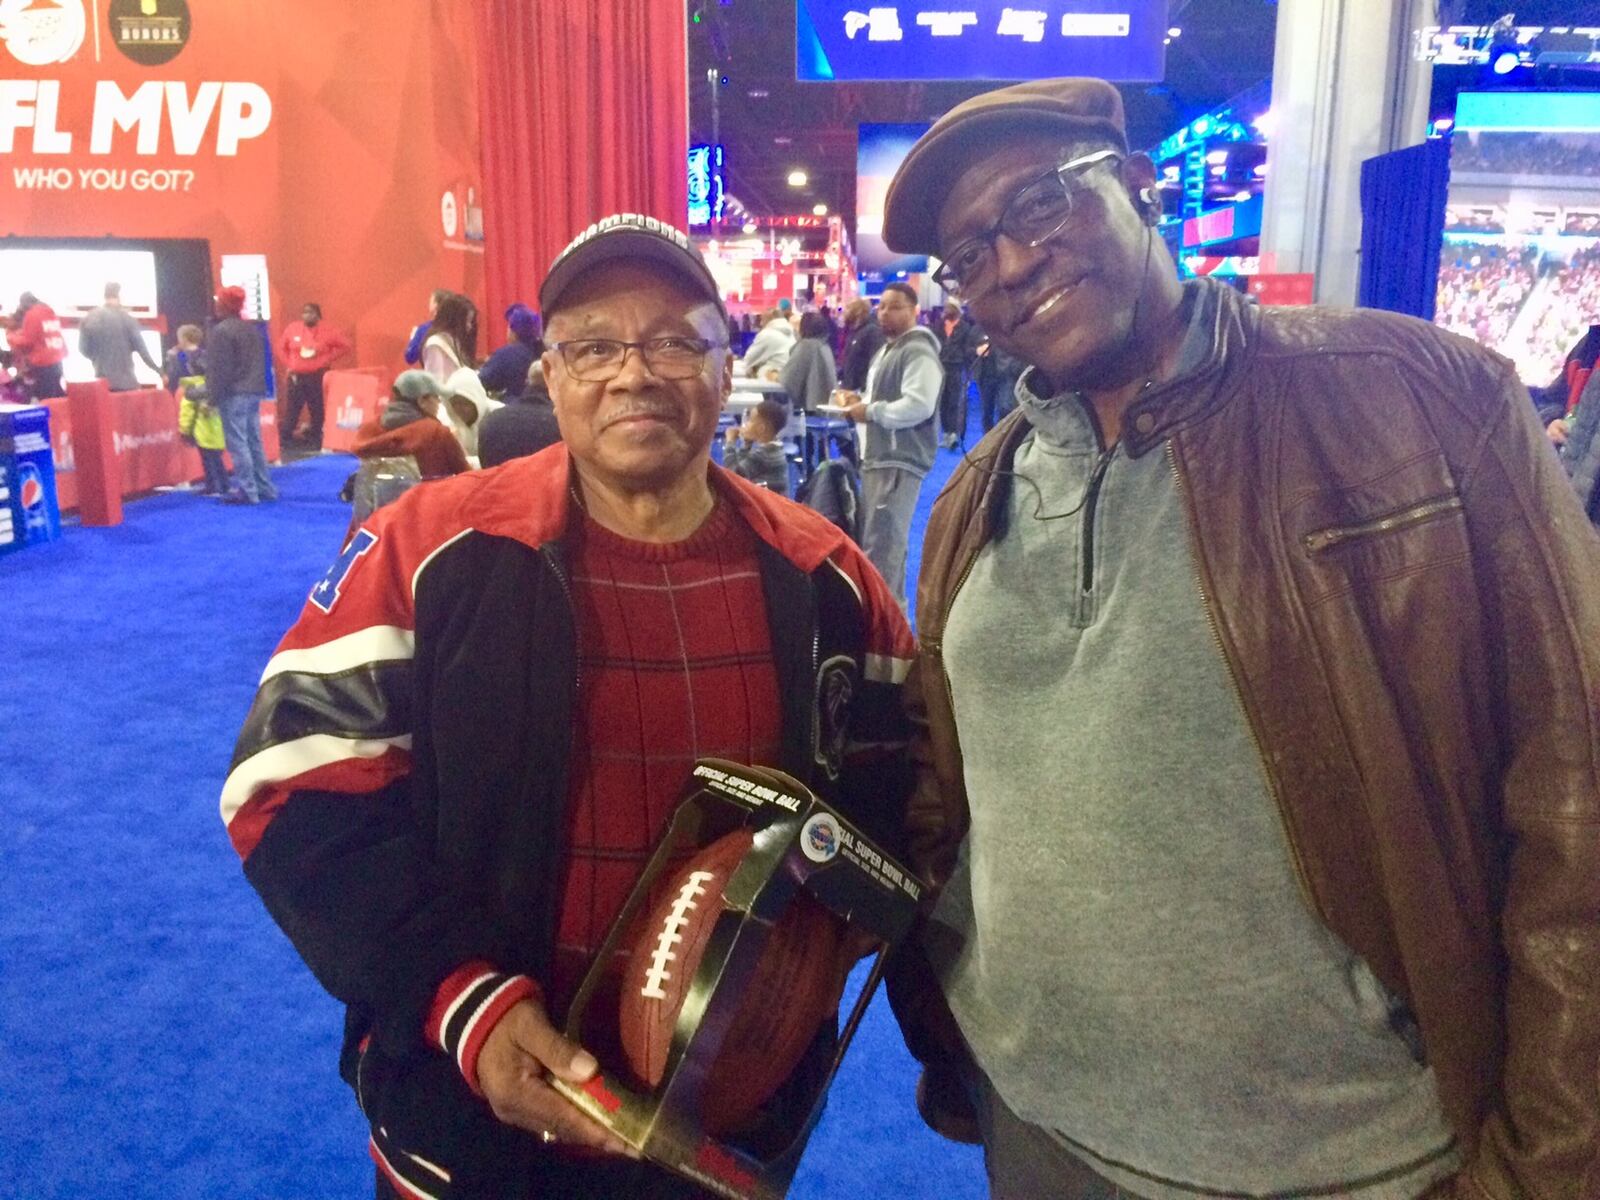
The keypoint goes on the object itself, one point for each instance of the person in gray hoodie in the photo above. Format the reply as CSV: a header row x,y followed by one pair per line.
x,y
898,441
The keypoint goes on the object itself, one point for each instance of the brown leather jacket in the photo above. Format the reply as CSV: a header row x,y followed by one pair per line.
x,y
1408,599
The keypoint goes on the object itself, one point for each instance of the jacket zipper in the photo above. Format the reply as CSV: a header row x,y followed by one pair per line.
x,y
1216,636
561,859
1091,500
572,611
1326,539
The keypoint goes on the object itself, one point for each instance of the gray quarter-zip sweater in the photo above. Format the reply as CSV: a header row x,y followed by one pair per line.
x,y
1141,973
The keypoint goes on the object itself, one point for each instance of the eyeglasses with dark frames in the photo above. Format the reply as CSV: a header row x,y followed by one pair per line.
x,y
1037,212
599,360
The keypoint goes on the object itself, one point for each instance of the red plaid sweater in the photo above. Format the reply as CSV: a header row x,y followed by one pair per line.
x,y
674,664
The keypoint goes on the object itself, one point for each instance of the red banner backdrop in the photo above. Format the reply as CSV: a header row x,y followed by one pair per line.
x,y
141,430
343,148
366,159
351,398
1291,290
585,112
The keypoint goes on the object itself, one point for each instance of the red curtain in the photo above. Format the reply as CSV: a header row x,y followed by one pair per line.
x,y
585,112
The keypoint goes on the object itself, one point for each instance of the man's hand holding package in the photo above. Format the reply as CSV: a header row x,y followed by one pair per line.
x,y
518,1053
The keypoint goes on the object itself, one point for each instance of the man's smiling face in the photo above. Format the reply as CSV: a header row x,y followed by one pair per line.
x,y
637,431
1067,305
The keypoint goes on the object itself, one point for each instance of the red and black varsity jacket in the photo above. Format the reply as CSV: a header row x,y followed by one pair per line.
x,y
398,790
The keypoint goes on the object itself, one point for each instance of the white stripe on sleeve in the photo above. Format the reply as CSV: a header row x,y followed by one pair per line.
x,y
472,1023
455,1005
288,759
376,643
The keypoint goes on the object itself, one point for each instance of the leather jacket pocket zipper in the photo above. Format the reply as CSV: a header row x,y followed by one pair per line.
x,y
1326,539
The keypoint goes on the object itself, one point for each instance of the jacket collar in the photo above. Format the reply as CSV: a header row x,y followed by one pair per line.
x,y
528,499
1227,340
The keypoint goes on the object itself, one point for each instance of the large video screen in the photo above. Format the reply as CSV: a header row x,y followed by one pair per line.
x,y
1520,267
880,149
1120,40
72,280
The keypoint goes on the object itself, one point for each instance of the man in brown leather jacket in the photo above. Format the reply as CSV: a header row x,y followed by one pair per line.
x,y
1259,701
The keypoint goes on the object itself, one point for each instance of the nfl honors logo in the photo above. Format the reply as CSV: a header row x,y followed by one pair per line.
x,y
41,33
150,32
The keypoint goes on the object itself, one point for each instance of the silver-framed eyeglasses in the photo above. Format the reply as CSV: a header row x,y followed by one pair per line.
x,y
1037,212
599,360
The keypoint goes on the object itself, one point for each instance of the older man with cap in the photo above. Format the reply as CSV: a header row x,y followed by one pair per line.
x,y
445,822
1257,721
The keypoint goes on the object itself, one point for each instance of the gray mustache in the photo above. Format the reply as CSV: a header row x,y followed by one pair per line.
x,y
645,408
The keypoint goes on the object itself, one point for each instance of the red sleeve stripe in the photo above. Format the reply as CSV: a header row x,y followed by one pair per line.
x,y
352,775
376,643
467,1007
283,762
451,995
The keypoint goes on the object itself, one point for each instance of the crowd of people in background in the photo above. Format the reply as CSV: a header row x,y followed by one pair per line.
x,y
1522,153
1483,287
454,410
906,396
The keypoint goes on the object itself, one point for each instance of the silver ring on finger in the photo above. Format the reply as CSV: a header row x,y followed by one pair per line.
x,y
547,1137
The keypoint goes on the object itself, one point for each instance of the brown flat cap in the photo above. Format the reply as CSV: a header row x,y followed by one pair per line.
x,y
1076,107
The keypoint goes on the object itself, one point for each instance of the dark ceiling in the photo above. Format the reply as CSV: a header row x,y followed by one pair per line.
x,y
770,124
1527,12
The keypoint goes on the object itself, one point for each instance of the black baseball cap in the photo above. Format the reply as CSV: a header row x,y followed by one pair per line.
x,y
631,237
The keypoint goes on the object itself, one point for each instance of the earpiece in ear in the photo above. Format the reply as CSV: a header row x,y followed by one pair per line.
x,y
1149,205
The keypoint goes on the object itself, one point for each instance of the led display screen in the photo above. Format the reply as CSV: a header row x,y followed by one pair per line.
x,y
73,280
1120,40
880,149
1520,267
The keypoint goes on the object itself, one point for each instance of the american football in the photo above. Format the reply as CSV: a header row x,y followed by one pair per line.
x,y
795,986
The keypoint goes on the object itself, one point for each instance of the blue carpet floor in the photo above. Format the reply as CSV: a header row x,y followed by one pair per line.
x,y
158,1036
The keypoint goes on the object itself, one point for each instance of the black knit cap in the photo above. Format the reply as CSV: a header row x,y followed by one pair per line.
x,y
1076,107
